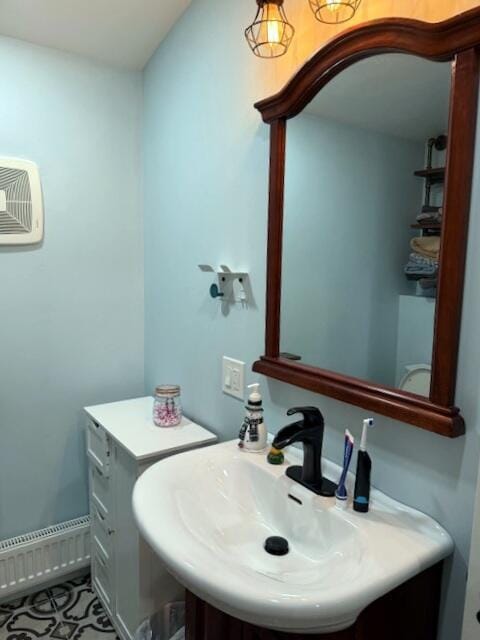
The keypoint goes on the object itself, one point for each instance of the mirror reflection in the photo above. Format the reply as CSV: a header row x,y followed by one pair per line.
x,y
365,168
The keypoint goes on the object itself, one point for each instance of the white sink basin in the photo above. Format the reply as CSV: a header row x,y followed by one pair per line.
x,y
208,512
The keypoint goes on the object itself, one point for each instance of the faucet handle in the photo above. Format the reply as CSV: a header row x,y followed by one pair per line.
x,y
312,416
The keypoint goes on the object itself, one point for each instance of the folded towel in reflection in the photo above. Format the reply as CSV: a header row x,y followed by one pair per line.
x,y
416,258
428,246
427,220
433,215
421,270
414,276
419,266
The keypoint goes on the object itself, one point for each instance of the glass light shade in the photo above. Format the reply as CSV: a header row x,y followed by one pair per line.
x,y
270,34
334,11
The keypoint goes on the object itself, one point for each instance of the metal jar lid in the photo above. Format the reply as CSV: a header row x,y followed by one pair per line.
x,y
167,390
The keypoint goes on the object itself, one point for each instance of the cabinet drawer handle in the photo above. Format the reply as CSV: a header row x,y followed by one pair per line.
x,y
96,462
100,516
111,532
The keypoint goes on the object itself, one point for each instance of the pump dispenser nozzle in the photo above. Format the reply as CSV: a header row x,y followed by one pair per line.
x,y
255,396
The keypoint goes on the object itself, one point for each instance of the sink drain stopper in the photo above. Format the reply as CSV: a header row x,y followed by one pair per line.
x,y
276,546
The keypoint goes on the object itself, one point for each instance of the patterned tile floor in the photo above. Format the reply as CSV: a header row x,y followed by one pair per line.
x,y
69,611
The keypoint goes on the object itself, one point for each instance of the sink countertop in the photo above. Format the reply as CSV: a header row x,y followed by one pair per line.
x,y
221,503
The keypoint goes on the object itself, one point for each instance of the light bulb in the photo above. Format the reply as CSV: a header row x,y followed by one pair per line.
x,y
273,25
273,32
333,5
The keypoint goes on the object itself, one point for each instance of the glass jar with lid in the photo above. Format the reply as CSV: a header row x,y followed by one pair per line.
x,y
167,409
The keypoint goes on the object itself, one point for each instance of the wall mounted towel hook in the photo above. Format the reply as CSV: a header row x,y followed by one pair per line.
x,y
231,284
215,291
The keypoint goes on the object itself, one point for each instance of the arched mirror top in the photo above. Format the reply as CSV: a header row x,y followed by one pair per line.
x,y
439,41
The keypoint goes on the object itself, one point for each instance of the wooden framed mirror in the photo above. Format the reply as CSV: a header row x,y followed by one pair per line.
x,y
369,200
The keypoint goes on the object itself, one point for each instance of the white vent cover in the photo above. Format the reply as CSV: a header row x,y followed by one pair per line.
x,y
21,207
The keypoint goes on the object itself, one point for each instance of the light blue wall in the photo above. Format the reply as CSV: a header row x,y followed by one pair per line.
x,y
71,310
416,318
350,197
206,169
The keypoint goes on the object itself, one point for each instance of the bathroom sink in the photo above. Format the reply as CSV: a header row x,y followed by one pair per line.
x,y
208,512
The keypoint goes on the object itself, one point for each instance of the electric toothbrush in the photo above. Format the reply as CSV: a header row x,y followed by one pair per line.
x,y
361,498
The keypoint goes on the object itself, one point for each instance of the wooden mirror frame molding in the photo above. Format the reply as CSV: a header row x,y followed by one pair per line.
x,y
456,40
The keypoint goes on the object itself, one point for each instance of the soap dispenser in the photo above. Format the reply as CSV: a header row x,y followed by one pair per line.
x,y
253,433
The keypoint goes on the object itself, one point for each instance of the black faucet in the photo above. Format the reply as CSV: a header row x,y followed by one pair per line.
x,y
309,432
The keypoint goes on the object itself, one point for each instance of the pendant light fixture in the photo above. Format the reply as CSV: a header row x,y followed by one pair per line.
x,y
270,34
334,11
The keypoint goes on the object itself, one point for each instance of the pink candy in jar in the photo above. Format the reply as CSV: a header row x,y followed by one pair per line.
x,y
167,410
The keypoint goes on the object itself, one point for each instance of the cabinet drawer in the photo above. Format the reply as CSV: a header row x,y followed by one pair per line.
x,y
101,531
101,547
98,447
102,578
100,490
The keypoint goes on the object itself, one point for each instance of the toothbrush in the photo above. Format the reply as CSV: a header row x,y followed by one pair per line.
x,y
341,493
361,499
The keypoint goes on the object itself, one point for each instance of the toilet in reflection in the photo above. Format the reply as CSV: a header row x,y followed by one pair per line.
x,y
417,379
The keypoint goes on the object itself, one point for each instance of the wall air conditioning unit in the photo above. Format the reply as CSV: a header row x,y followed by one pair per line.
x,y
21,206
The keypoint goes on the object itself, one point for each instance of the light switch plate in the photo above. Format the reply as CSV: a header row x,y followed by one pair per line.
x,y
233,377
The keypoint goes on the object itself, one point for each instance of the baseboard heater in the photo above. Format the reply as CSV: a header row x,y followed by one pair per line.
x,y
30,560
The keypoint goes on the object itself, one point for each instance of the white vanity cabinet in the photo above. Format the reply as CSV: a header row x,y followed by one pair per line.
x,y
122,442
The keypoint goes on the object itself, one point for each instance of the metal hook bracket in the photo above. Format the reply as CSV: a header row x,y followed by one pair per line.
x,y
231,284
